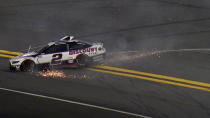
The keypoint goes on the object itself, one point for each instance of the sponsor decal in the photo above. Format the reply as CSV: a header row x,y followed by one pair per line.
x,y
72,52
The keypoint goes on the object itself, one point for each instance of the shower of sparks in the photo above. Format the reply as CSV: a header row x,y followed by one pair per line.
x,y
60,74
53,74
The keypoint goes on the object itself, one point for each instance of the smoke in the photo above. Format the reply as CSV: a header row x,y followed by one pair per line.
x,y
129,56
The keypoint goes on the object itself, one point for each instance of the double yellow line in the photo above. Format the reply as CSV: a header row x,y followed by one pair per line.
x,y
8,54
136,74
153,77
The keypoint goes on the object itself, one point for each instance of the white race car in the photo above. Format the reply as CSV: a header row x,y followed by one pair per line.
x,y
63,52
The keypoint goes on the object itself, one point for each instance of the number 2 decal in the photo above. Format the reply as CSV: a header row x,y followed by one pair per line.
x,y
56,59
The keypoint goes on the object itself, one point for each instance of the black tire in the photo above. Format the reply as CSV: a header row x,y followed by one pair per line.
x,y
12,69
82,60
27,66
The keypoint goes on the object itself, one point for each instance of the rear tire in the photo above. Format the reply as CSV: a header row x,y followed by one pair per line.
x,y
82,60
27,66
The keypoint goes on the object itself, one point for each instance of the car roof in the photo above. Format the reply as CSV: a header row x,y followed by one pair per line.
x,y
65,40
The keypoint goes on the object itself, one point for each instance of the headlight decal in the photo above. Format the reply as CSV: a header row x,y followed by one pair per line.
x,y
14,62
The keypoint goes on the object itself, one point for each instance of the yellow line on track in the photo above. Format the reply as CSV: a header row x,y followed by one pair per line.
x,y
155,75
9,52
151,79
136,76
6,56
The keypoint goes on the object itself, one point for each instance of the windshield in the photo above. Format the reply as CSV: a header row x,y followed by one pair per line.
x,y
40,50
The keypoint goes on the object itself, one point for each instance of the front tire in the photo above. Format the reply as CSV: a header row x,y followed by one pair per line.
x,y
27,66
12,69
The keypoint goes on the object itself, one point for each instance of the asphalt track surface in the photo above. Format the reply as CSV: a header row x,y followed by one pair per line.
x,y
131,30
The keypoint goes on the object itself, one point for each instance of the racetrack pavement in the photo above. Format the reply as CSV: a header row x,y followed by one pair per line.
x,y
138,28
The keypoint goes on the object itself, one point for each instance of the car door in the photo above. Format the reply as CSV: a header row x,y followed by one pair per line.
x,y
53,54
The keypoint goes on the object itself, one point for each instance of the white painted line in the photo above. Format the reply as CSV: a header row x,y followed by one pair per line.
x,y
73,102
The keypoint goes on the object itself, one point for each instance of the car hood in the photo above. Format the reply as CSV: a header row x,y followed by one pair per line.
x,y
28,54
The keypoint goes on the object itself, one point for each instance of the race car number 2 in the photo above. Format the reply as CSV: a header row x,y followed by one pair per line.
x,y
56,59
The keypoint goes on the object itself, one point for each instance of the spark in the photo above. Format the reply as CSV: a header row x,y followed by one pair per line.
x,y
52,73
60,74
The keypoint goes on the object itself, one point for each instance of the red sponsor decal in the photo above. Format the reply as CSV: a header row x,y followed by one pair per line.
x,y
72,52
88,49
